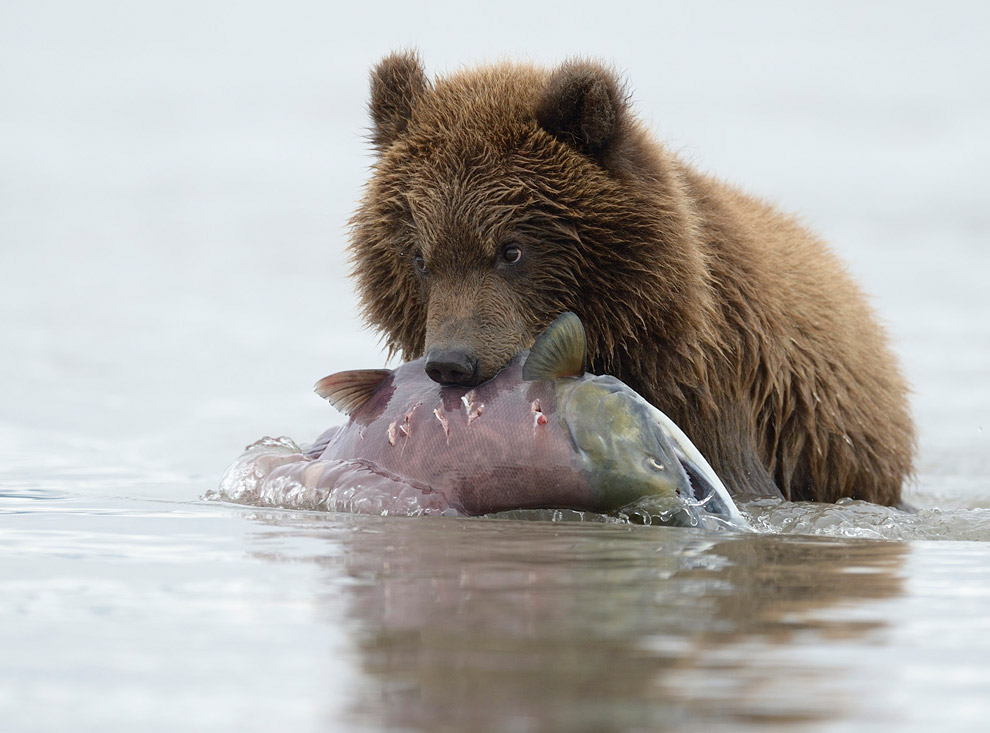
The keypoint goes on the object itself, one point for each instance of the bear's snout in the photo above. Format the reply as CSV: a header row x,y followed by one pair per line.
x,y
457,366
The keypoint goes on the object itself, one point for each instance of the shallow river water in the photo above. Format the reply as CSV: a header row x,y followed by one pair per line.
x,y
175,180
140,614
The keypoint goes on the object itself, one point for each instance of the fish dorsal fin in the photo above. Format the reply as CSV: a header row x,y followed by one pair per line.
x,y
560,351
348,391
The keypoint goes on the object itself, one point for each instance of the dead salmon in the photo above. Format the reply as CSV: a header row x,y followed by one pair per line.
x,y
541,434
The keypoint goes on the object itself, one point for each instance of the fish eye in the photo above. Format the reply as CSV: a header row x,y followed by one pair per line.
x,y
654,464
511,253
420,263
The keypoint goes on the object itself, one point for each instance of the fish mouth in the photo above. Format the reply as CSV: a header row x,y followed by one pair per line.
x,y
696,503
708,503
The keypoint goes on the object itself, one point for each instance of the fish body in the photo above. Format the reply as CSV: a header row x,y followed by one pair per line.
x,y
497,446
541,434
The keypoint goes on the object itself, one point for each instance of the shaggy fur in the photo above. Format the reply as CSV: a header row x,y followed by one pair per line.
x,y
720,310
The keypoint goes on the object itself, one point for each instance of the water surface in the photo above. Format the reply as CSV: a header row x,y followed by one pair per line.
x,y
151,613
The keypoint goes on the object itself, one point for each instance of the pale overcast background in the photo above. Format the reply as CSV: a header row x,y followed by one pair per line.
x,y
176,180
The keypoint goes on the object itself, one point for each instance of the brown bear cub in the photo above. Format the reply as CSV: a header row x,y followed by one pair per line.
x,y
506,195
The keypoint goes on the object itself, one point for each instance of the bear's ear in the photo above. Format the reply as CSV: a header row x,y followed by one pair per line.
x,y
584,105
397,82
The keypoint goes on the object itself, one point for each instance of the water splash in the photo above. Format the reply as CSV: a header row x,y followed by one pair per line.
x,y
275,472
861,519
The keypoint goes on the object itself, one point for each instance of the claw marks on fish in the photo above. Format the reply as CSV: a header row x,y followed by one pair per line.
x,y
395,428
472,409
443,421
406,427
538,417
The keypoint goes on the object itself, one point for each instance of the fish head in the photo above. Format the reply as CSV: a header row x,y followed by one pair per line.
x,y
627,448
622,451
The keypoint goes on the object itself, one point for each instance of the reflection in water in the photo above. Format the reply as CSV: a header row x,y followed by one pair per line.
x,y
480,624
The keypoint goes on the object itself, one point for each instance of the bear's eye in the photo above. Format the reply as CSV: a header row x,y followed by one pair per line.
x,y
420,263
511,253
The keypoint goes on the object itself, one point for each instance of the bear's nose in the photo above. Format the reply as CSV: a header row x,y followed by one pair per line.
x,y
452,366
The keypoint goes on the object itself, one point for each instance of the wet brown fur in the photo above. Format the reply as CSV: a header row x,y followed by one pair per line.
x,y
725,313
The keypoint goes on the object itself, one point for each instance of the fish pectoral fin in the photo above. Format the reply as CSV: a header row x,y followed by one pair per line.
x,y
348,391
560,351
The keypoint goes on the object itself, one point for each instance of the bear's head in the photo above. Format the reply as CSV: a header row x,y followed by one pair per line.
x,y
503,196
